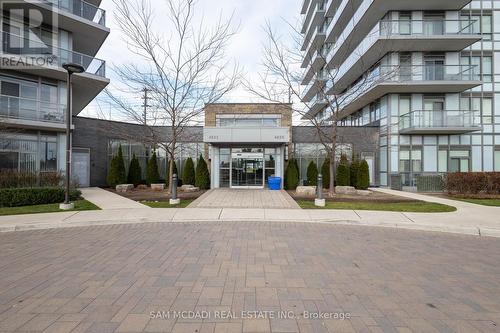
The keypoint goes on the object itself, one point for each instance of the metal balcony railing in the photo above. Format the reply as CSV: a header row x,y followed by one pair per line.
x,y
82,9
14,45
424,119
426,27
29,109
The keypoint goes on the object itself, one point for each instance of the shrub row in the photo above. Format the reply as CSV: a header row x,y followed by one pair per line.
x,y
354,174
16,197
472,182
14,179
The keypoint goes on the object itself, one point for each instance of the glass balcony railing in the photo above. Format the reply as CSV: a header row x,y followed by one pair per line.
x,y
427,27
82,9
418,73
29,109
14,45
424,119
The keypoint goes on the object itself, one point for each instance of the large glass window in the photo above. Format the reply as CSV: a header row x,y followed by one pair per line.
x,y
224,167
19,153
497,160
48,153
248,120
480,24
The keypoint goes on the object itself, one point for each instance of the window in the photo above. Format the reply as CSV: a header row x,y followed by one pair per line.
x,y
405,23
481,106
459,161
480,68
478,24
497,160
248,120
443,161
48,154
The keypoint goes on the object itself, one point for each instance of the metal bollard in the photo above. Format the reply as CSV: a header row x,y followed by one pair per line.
x,y
319,189
319,201
173,199
174,186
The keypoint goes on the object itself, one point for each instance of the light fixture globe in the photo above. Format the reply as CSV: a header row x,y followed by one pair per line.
x,y
73,68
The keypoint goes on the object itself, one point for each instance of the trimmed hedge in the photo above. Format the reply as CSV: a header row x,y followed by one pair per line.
x,y
10,197
363,179
472,182
117,174
312,174
134,172
343,177
354,169
188,174
202,175
10,178
292,175
152,173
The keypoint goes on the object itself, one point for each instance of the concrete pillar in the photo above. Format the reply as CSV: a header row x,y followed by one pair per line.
x,y
214,166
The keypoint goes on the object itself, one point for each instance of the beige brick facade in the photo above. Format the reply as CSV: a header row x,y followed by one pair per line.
x,y
285,110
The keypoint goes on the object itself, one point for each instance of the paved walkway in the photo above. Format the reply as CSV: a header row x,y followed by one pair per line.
x,y
470,219
108,200
110,279
242,198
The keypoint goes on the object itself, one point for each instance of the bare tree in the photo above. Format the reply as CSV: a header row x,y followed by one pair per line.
x,y
184,70
281,81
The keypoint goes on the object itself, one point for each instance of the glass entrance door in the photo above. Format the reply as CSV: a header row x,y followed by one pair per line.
x,y
247,170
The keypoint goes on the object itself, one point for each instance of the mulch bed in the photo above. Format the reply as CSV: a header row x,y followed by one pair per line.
x,y
150,195
373,197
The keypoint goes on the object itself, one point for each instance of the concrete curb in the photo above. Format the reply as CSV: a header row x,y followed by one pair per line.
x,y
471,231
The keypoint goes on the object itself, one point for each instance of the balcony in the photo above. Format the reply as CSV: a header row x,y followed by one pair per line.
x,y
348,34
383,80
36,58
81,9
405,36
26,49
315,28
32,113
438,122
238,134
86,21
315,85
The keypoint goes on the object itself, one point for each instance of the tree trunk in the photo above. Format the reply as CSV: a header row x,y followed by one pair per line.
x,y
170,172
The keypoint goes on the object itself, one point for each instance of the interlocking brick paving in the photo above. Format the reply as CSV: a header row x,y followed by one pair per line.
x,y
110,279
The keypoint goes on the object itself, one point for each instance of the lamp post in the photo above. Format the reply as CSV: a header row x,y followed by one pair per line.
x,y
71,69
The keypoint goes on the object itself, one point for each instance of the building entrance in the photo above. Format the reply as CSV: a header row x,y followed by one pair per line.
x,y
247,170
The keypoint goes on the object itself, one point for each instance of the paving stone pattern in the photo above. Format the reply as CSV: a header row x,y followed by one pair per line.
x,y
110,278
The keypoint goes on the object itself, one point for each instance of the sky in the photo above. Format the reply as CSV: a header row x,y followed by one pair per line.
x,y
245,48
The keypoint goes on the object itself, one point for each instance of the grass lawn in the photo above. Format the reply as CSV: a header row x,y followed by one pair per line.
x,y
80,205
484,202
414,207
165,204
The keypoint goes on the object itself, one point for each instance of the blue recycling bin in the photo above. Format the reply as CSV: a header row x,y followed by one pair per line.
x,y
274,183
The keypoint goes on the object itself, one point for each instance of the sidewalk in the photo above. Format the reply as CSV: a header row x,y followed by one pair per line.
x,y
470,219
108,200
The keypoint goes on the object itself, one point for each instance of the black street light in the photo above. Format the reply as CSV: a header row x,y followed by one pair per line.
x,y
71,69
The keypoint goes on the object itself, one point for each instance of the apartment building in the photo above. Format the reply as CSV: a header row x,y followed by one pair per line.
x,y
38,37
424,72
